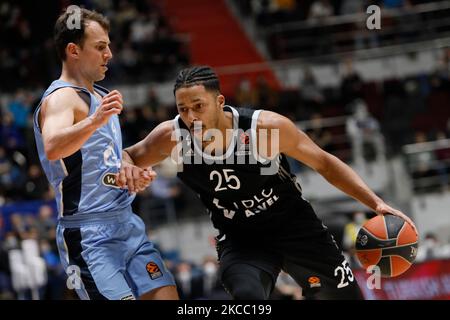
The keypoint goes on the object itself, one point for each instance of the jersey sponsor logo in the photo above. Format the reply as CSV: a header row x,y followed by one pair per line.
x,y
314,282
153,270
109,180
257,204
128,297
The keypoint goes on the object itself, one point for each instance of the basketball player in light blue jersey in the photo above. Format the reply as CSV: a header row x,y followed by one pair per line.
x,y
102,244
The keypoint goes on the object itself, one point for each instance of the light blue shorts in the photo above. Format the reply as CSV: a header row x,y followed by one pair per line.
x,y
108,256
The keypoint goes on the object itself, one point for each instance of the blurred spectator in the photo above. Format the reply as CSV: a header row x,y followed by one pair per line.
x,y
352,6
364,129
20,108
264,96
56,276
164,198
189,281
11,136
320,9
18,226
11,241
212,286
396,119
5,168
147,120
244,94
11,177
319,134
142,29
30,226
428,248
36,186
443,156
351,84
428,172
128,59
46,225
152,99
351,230
311,93
414,97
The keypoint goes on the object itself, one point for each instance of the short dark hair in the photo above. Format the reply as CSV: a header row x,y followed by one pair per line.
x,y
63,34
198,75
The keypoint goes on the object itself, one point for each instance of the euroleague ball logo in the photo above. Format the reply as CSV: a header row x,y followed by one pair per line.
x,y
363,240
413,253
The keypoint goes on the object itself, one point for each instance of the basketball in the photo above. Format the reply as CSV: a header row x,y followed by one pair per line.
x,y
388,242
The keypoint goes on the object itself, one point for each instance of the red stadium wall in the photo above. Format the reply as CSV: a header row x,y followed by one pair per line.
x,y
217,39
423,281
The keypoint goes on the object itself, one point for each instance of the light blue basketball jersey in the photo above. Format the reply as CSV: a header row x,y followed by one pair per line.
x,y
84,181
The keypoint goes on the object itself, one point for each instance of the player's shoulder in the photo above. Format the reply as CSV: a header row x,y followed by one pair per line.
x,y
68,97
165,128
272,120
163,137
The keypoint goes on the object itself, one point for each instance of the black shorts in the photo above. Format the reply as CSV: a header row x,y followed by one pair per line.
x,y
312,259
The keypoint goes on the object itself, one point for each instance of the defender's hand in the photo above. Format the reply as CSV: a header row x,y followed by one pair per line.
x,y
111,104
147,177
134,178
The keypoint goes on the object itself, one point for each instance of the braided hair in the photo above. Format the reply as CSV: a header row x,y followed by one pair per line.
x,y
199,75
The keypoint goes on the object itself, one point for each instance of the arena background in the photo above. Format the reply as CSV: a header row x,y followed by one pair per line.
x,y
378,99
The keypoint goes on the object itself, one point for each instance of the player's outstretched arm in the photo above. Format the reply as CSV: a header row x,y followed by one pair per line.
x,y
154,148
136,172
296,144
62,134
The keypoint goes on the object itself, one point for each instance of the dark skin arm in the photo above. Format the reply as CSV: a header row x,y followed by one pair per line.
x,y
153,149
296,144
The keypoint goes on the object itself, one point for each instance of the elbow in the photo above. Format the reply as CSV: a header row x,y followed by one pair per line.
x,y
324,165
52,153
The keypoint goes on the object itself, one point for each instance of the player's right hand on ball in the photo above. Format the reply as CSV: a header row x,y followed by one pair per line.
x,y
111,104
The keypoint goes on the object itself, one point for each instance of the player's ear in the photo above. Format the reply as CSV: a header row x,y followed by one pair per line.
x,y
72,50
220,100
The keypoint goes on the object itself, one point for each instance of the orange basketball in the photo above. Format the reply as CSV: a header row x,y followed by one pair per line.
x,y
388,242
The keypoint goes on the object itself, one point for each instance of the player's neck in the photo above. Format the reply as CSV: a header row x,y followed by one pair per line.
x,y
225,125
76,78
225,122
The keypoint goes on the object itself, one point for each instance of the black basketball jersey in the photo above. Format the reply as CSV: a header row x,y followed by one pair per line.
x,y
238,194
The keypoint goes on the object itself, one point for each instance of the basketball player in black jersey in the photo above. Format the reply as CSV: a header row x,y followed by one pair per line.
x,y
235,160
